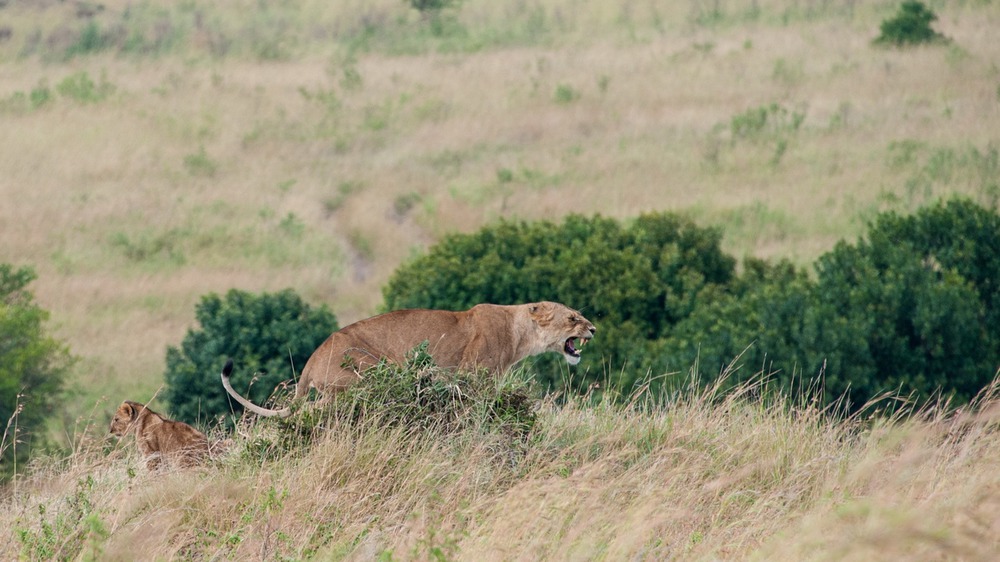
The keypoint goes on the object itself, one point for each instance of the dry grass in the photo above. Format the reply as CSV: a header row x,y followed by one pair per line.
x,y
706,476
322,168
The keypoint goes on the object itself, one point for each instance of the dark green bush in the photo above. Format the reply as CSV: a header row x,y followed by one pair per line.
x,y
917,302
911,308
33,366
431,6
910,26
760,318
271,334
634,282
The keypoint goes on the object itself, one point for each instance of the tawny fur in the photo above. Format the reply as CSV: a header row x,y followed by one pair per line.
x,y
487,336
160,440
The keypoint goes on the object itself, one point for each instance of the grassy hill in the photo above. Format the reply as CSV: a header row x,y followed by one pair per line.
x,y
708,475
157,151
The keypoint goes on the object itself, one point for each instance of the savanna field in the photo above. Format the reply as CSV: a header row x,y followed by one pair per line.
x,y
156,152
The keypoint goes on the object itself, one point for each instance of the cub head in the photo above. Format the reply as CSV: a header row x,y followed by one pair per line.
x,y
561,329
126,415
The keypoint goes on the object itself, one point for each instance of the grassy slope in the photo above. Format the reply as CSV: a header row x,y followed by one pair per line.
x,y
704,477
258,151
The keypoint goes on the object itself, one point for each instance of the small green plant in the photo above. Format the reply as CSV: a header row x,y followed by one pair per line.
x,y
603,83
292,225
361,244
378,117
90,40
780,148
81,88
350,76
327,99
403,204
566,94
764,121
41,95
505,175
910,26
149,246
20,103
430,7
64,534
344,190
199,164
788,73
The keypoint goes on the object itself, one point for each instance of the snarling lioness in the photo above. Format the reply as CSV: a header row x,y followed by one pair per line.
x,y
160,441
487,336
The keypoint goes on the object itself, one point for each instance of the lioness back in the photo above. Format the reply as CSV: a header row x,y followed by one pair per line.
x,y
487,336
354,348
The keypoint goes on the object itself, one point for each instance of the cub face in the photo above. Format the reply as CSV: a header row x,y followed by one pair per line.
x,y
123,419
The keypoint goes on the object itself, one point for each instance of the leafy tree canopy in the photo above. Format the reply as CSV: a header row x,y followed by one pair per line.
x,y
271,335
33,367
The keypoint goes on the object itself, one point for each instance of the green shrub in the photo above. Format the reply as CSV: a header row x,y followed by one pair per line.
x,y
200,164
910,26
566,94
81,88
415,396
432,6
420,395
634,282
765,121
70,530
33,367
910,308
90,40
756,323
915,305
271,334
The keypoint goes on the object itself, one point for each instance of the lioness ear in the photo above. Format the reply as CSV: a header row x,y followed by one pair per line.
x,y
539,311
132,411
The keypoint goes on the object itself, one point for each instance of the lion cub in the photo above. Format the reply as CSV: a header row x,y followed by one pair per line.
x,y
158,438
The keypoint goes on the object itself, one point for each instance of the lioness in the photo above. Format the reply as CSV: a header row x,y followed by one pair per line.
x,y
487,336
158,438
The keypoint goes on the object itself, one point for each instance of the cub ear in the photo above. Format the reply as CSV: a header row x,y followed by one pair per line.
x,y
131,410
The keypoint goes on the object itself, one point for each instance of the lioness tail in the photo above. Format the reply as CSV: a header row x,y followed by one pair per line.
x,y
228,370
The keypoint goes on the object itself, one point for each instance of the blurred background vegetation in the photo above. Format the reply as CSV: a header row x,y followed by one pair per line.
x,y
699,179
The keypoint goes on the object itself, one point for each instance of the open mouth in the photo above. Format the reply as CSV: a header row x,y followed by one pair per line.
x,y
570,349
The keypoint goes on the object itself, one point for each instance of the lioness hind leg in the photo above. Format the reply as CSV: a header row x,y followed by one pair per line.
x,y
153,462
